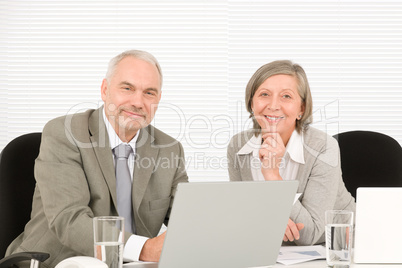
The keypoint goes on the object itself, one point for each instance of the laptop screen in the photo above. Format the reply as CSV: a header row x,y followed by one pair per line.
x,y
378,233
227,224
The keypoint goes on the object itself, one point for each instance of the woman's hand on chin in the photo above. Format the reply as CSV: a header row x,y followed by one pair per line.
x,y
271,153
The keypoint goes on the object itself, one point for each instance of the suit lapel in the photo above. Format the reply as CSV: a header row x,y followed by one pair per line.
x,y
245,166
101,147
146,155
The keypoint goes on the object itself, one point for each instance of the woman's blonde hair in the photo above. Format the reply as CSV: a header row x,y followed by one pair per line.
x,y
288,68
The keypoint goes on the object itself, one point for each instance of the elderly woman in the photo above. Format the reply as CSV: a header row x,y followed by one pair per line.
x,y
282,146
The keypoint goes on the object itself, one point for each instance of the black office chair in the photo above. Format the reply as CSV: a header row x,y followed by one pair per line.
x,y
369,159
17,184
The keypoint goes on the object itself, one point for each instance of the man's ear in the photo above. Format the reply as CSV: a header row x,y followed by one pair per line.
x,y
160,96
104,89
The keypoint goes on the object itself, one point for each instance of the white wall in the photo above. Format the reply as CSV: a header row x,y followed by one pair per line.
x,y
54,54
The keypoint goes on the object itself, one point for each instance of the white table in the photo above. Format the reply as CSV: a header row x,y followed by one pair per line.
x,y
323,264
309,264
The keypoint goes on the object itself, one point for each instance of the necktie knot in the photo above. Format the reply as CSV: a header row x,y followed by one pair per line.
x,y
122,151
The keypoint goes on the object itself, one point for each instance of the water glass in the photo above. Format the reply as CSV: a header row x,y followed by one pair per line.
x,y
338,237
109,240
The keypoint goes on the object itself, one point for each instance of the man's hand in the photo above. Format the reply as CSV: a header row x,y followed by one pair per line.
x,y
151,251
292,231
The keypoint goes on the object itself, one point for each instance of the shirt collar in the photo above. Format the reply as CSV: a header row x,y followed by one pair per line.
x,y
294,147
114,140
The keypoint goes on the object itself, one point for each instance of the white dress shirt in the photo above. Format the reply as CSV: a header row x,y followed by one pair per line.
x,y
133,247
293,157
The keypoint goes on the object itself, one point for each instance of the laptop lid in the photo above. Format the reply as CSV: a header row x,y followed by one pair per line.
x,y
227,224
377,233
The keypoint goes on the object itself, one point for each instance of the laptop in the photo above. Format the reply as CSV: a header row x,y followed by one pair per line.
x,y
226,224
378,233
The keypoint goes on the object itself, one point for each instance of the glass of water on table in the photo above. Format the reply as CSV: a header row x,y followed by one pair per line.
x,y
338,237
109,240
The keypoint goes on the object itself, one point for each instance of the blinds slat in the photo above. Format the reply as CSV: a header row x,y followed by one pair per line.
x,y
54,54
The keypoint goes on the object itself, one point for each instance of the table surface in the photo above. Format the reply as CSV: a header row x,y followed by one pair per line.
x,y
310,264
323,263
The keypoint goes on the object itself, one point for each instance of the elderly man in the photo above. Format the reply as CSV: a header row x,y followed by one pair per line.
x,y
79,175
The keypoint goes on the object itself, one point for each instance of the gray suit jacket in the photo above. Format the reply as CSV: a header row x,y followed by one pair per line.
x,y
320,181
75,181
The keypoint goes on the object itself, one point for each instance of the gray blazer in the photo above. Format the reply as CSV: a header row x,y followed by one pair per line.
x,y
320,181
75,181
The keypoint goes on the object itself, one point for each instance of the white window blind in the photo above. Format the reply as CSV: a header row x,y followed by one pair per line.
x,y
54,54
350,50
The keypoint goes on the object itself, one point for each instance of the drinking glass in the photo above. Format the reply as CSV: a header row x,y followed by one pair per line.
x,y
338,237
109,240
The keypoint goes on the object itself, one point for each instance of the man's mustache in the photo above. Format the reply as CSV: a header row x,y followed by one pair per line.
x,y
132,110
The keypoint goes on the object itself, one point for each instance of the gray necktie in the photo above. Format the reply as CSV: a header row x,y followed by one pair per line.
x,y
123,185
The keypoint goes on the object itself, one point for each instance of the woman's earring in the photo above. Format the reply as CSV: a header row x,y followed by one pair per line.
x,y
300,116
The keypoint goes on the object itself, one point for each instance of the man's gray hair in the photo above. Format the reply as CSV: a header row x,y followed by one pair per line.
x,y
138,54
